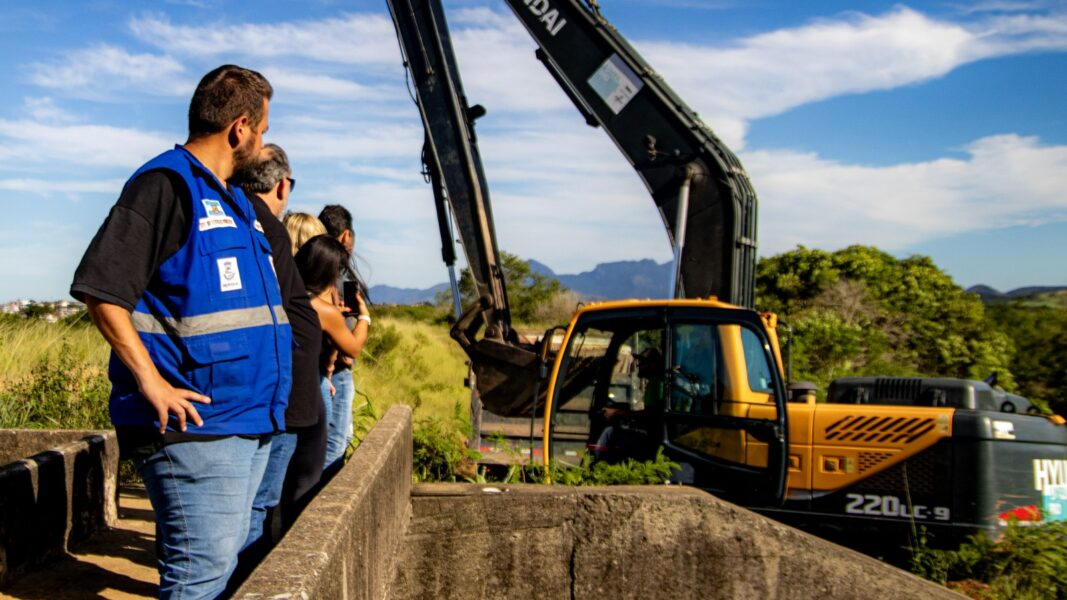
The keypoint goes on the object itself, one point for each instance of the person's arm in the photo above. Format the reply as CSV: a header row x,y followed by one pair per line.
x,y
115,325
344,359
349,343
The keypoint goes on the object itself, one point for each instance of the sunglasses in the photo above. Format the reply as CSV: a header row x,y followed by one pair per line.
x,y
292,183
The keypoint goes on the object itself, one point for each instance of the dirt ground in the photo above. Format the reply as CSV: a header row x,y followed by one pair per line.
x,y
119,564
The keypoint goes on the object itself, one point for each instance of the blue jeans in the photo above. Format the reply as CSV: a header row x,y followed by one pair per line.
x,y
269,493
202,495
327,399
339,429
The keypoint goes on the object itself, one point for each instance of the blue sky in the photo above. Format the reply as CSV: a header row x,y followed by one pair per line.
x,y
936,128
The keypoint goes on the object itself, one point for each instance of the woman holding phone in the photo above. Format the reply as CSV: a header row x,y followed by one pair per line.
x,y
321,262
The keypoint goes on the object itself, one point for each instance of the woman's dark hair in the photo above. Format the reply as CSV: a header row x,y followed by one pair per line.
x,y
321,262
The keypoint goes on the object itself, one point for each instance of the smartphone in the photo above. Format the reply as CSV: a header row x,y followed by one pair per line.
x,y
348,295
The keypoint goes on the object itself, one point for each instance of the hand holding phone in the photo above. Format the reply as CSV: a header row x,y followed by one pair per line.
x,y
349,291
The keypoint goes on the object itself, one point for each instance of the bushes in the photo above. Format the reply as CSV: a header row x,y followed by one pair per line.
x,y
860,311
441,454
57,394
439,449
1027,562
627,472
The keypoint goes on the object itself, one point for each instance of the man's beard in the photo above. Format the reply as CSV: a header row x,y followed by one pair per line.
x,y
243,156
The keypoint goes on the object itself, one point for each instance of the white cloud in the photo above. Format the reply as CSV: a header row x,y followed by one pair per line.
x,y
561,192
351,141
46,110
359,39
46,186
289,84
29,142
499,70
101,72
1005,181
700,4
773,72
1001,6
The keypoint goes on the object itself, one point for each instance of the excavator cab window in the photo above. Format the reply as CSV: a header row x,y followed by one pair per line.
x,y
698,382
611,377
757,368
723,424
696,369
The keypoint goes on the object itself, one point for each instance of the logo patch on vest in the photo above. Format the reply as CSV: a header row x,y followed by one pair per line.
x,y
213,207
229,275
207,223
258,226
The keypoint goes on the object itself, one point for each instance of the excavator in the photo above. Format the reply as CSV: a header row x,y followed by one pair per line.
x,y
699,375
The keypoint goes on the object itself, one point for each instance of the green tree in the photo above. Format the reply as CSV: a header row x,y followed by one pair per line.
x,y
1040,360
861,311
35,310
527,291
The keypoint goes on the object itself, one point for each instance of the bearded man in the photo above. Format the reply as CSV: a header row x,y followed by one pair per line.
x,y
180,282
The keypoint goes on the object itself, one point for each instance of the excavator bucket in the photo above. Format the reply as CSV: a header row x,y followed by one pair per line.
x,y
506,376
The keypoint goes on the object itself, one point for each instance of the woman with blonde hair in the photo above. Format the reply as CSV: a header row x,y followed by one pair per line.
x,y
302,227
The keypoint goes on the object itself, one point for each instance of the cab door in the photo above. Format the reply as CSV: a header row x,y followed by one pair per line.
x,y
698,382
725,418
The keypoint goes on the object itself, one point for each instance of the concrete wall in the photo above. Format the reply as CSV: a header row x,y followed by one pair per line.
x,y
472,541
62,490
370,535
345,543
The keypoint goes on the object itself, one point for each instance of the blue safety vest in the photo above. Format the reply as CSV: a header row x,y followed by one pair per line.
x,y
212,317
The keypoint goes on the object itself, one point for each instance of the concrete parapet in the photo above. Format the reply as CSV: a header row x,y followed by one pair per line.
x,y
345,543
477,541
56,487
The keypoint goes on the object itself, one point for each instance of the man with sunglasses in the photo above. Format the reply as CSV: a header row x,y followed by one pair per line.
x,y
295,464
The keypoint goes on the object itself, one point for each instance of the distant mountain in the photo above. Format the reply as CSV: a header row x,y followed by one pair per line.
x,y
644,279
539,268
607,281
989,294
621,279
387,294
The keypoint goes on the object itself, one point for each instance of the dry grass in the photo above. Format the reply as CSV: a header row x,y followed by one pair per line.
x,y
413,363
25,344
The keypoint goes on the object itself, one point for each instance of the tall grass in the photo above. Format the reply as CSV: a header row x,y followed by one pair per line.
x,y
413,363
52,376
55,374
25,342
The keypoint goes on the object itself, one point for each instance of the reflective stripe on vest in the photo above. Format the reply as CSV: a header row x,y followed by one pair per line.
x,y
219,322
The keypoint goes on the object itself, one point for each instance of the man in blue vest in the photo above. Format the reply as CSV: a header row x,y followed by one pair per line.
x,y
179,280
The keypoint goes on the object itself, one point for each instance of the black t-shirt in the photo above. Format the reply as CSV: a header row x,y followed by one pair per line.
x,y
147,225
305,401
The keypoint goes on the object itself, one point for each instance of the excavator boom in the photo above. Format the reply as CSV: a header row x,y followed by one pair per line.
x,y
705,198
702,193
505,369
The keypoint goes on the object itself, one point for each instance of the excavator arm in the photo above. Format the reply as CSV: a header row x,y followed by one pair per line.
x,y
702,193
705,198
505,369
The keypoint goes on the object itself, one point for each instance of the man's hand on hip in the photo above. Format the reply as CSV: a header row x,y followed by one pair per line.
x,y
116,326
